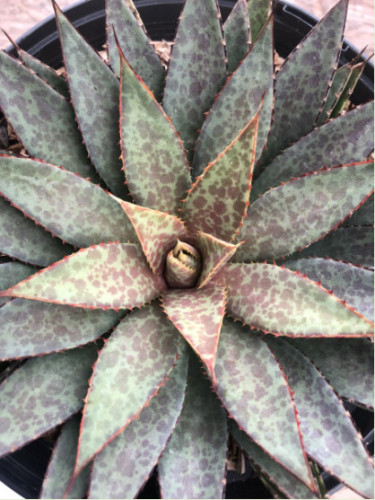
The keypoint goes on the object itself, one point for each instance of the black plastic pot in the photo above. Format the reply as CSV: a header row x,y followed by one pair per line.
x,y
24,469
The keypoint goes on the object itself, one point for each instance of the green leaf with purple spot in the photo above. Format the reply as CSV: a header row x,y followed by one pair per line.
x,y
296,214
237,34
122,467
255,392
325,424
131,368
364,215
42,394
193,463
344,98
155,163
201,326
95,96
217,203
106,276
70,207
41,117
278,300
11,273
258,11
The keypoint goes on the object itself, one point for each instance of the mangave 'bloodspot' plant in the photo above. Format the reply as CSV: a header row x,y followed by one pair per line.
x,y
191,256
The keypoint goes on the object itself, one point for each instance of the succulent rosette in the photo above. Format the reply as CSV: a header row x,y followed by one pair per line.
x,y
190,257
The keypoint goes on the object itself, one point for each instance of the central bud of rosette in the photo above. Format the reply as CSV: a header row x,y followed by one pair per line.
x,y
183,266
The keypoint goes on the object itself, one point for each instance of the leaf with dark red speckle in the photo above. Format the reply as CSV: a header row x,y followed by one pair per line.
x,y
237,34
259,10
346,93
193,463
364,215
11,273
106,276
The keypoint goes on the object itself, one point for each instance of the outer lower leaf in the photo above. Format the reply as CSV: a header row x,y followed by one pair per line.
x,y
350,283
95,95
238,102
254,391
284,480
308,69
364,215
193,463
131,368
198,315
113,275
259,10
61,466
70,207
296,214
22,239
328,433
41,117
237,34
276,299
345,140
348,364
30,327
11,273
124,20
121,468
218,201
154,158
197,69
42,394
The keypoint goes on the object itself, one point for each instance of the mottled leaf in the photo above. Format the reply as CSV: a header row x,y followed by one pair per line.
x,y
348,364
364,216
348,89
131,368
42,394
122,467
237,34
278,300
41,117
22,239
296,214
30,327
113,275
328,433
124,20
238,102
256,394
95,95
154,158
348,139
193,463
217,203
197,69
259,10
350,283
70,207
198,315
11,273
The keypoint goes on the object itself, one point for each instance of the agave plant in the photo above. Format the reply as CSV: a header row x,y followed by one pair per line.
x,y
187,257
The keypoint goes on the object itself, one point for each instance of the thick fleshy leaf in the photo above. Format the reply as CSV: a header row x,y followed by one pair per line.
x,y
70,207
343,100
95,95
238,102
197,69
283,479
22,239
255,392
237,34
157,233
108,276
182,266
259,10
122,467
302,211
278,300
349,283
198,315
193,463
328,433
41,117
348,139
61,466
30,327
309,69
42,394
124,20
155,163
12,273
348,364
354,244
217,203
131,368
364,216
